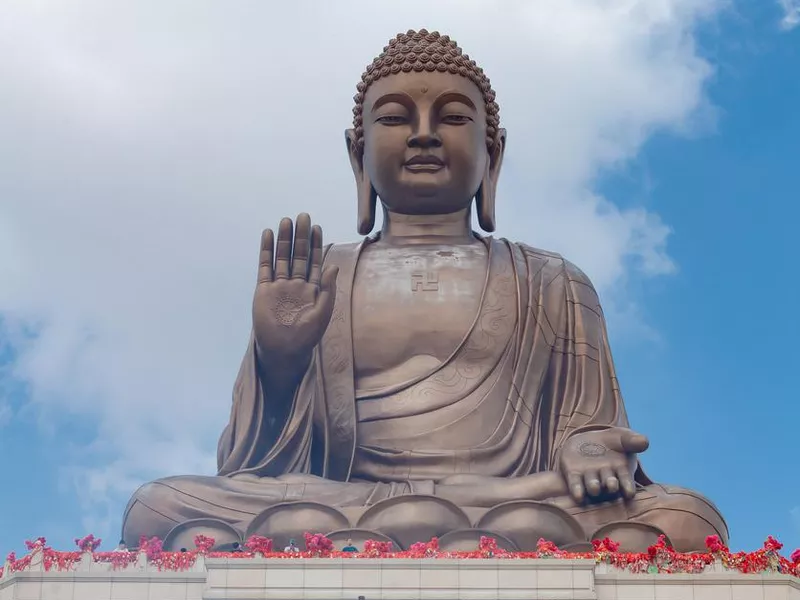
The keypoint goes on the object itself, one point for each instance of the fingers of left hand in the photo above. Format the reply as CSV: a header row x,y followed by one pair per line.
x,y
609,480
592,482
626,483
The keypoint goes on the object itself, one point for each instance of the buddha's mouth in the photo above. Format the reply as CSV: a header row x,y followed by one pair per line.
x,y
424,168
424,162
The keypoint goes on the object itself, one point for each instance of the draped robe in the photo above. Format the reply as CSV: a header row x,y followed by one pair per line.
x,y
534,368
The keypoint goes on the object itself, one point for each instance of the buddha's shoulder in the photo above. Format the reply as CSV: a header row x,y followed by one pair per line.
x,y
331,251
553,265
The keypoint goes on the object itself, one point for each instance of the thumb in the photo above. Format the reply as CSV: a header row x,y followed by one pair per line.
x,y
634,443
327,288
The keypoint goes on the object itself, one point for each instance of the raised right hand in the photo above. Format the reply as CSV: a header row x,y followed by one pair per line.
x,y
294,298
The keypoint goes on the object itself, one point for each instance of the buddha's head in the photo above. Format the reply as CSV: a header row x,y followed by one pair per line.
x,y
426,136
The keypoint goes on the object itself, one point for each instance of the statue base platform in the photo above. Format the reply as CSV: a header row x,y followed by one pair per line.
x,y
391,579
404,520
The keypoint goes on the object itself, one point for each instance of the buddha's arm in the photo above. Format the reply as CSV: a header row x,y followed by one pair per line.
x,y
478,490
581,385
268,430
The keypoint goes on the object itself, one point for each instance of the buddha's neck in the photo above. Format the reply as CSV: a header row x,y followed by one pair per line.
x,y
452,228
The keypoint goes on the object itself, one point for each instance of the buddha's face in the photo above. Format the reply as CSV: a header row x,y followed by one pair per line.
x,y
425,141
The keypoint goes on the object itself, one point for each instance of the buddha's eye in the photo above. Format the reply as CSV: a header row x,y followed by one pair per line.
x,y
391,120
456,119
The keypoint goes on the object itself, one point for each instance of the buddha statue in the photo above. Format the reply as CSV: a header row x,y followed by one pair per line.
x,y
429,380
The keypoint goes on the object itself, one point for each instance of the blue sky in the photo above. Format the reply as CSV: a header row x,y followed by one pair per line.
x,y
718,393
706,353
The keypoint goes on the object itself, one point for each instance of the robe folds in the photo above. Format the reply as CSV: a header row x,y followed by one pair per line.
x,y
534,368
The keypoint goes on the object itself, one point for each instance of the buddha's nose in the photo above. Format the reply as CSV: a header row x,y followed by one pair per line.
x,y
424,137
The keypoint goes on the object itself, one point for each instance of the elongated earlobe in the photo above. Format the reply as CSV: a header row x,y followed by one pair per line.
x,y
485,197
367,196
484,203
367,202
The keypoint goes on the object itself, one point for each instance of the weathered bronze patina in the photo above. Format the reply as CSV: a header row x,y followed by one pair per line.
x,y
428,380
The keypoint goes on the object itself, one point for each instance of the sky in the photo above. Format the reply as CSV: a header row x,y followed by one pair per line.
x,y
145,145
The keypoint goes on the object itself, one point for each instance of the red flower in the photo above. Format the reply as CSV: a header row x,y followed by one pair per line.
x,y
605,545
422,549
546,547
795,556
12,557
659,547
715,545
772,544
377,548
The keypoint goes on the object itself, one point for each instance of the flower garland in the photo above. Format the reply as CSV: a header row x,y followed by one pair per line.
x,y
376,549
659,558
119,559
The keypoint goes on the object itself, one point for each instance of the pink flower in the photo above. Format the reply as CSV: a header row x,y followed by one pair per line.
x,y
88,543
259,544
37,543
422,549
316,543
795,556
152,547
377,548
488,546
203,543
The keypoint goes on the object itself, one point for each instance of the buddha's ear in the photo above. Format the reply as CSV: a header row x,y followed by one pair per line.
x,y
367,196
485,198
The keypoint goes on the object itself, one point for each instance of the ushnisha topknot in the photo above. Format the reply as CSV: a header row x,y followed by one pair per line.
x,y
421,51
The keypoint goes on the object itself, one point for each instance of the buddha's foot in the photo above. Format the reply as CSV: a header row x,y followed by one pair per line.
x,y
686,518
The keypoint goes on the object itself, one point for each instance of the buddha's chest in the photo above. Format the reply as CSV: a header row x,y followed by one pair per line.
x,y
413,306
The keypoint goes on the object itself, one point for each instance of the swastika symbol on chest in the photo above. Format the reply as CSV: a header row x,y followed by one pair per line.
x,y
425,282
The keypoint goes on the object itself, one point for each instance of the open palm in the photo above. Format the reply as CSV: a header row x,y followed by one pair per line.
x,y
294,297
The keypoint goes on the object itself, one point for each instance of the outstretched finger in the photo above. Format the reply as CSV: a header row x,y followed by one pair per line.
x,y
575,485
283,249
316,255
327,293
265,256
302,233
626,483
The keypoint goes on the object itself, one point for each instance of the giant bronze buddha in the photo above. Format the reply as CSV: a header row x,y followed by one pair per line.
x,y
429,380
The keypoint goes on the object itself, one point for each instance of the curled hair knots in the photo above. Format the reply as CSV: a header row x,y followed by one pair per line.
x,y
424,51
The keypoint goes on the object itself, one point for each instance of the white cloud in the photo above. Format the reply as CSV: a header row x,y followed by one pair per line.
x,y
146,144
791,13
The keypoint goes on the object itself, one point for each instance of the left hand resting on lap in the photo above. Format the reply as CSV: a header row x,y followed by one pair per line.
x,y
603,462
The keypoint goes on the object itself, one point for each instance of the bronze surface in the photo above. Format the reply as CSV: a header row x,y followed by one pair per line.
x,y
428,379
